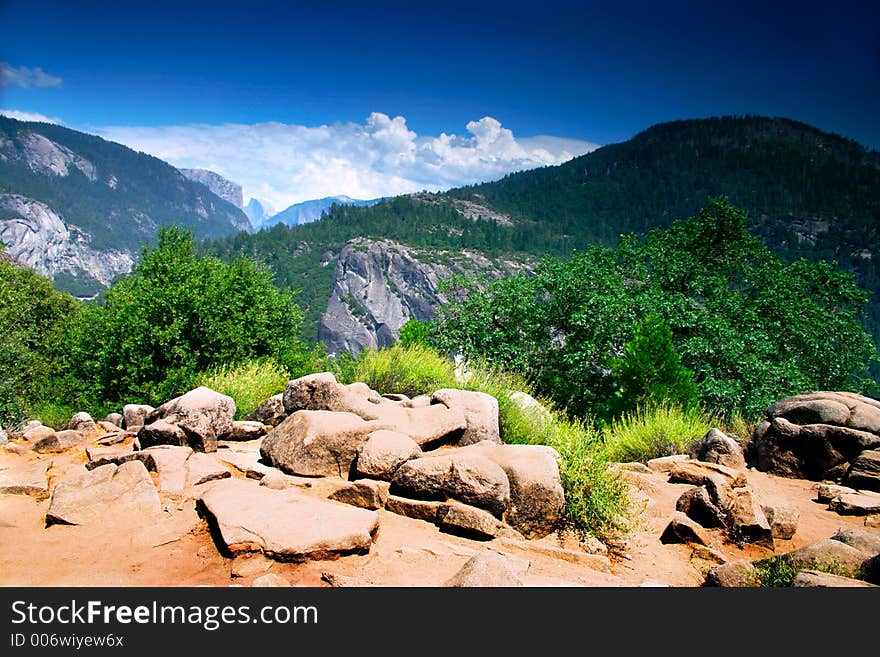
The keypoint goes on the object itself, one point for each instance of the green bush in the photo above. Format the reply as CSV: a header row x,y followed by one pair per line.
x,y
176,315
653,431
250,383
780,571
411,371
415,332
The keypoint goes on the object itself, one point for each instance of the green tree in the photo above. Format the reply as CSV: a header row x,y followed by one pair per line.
x,y
174,316
415,332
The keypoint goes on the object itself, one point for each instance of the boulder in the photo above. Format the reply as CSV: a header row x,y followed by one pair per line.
x,y
365,493
718,447
115,419
783,520
480,413
864,472
135,415
665,463
826,555
317,443
697,473
247,463
169,463
270,412
529,405
109,427
202,468
870,570
860,539
38,433
416,509
204,415
735,574
682,529
469,478
816,435
537,499
246,430
860,504
285,525
383,452
27,479
697,504
98,456
746,520
486,569
471,522
83,423
816,578
59,441
827,492
431,426
124,492
161,432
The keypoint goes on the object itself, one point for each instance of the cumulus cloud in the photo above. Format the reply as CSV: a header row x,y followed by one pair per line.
x,y
28,116
285,163
24,77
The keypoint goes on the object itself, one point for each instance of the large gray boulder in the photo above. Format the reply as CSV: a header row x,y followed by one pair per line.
x,y
735,574
83,423
246,430
469,521
161,432
270,412
480,412
317,443
285,525
486,569
469,478
864,472
59,441
383,452
826,555
816,435
37,433
717,447
124,492
204,415
135,415
537,499
115,419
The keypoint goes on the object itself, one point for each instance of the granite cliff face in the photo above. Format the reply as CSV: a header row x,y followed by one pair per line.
x,y
225,189
380,284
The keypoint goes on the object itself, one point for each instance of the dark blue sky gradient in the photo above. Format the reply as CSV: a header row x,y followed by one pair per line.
x,y
594,71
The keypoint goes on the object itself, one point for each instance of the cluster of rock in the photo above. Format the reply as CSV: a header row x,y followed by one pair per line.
x,y
720,497
850,558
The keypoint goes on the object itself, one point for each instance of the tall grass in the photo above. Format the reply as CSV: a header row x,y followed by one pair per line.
x,y
656,430
413,370
249,383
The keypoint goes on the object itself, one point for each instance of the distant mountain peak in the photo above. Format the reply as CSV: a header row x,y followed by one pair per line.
x,y
309,211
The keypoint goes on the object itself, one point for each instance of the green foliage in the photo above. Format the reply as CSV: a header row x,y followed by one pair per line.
x,y
650,370
30,311
780,571
750,327
411,371
177,315
415,332
649,432
249,383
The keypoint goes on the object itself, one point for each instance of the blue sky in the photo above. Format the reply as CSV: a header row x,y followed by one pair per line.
x,y
175,77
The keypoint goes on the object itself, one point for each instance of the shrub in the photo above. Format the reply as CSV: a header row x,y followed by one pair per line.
x,y
780,571
250,383
411,371
415,332
654,431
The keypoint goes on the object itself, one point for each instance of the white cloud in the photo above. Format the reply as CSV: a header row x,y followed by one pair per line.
x,y
25,77
286,163
29,116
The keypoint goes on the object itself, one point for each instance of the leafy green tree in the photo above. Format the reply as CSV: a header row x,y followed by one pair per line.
x,y
415,332
749,326
650,371
177,315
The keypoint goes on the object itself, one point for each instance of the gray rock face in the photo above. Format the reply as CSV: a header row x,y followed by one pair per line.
x,y
135,415
383,452
204,415
480,412
125,492
270,412
486,569
429,511
864,472
380,285
468,478
816,435
225,189
37,237
285,524
718,447
317,443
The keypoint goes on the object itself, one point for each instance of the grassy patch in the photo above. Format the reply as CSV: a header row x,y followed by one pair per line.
x,y
249,383
780,571
653,431
411,371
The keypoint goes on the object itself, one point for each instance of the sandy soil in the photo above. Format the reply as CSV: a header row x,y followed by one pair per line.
x,y
176,549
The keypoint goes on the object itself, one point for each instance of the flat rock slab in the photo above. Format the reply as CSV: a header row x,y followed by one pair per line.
x,y
248,463
286,525
665,463
859,504
202,468
816,578
697,472
26,480
169,462
121,492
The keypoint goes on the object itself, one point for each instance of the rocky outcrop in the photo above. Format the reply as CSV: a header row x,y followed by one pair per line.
x,y
225,189
718,447
271,412
380,285
816,435
202,414
486,569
